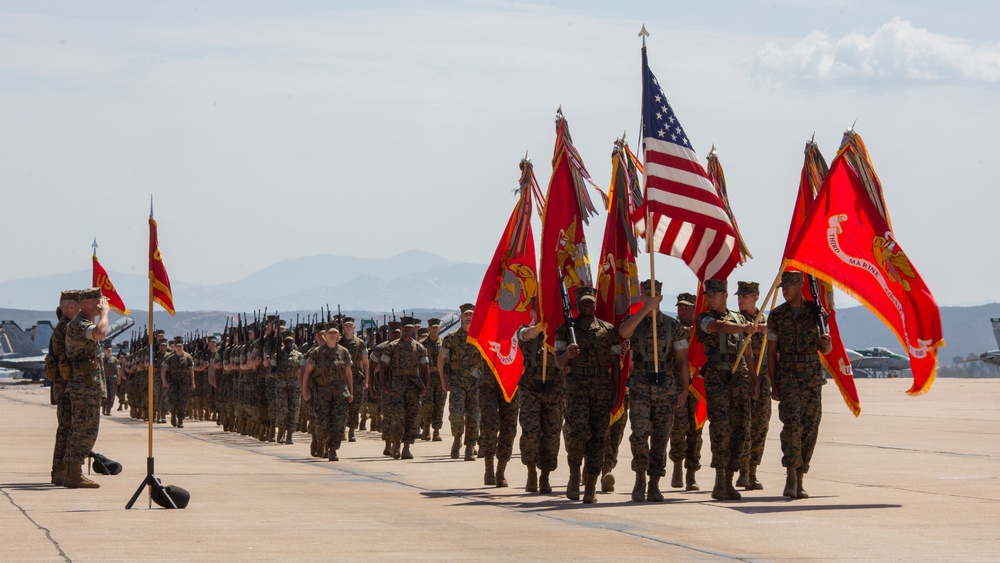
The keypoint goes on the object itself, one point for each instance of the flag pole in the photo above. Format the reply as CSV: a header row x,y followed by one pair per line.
x,y
150,482
649,242
763,346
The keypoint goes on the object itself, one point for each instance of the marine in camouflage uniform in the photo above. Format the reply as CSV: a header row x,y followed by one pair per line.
x,y
685,434
329,367
359,355
432,405
747,294
84,390
57,371
123,383
287,392
402,383
654,393
497,429
177,374
796,378
591,367
541,409
461,366
111,376
157,410
728,392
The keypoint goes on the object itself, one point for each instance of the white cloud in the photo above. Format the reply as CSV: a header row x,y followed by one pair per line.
x,y
896,53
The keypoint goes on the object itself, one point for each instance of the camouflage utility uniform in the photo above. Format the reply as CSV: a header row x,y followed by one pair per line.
x,y
84,389
467,366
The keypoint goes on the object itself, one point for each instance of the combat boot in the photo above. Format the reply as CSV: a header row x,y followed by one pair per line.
x,y
653,493
639,490
332,455
456,446
76,480
314,447
361,424
120,406
730,489
173,420
395,449
501,478
677,479
437,435
350,435
608,483
573,487
590,489
531,486
752,483
59,474
692,485
388,448
180,422
288,436
406,452
799,491
377,423
744,474
426,434
543,483
271,430
470,453
719,491
489,478
791,483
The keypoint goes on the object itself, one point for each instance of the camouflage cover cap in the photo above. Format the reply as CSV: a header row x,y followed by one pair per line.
x,y
70,295
394,325
178,340
466,307
270,318
406,321
747,288
644,287
348,320
585,293
416,321
686,299
289,338
90,293
319,327
789,279
213,339
433,322
159,331
716,286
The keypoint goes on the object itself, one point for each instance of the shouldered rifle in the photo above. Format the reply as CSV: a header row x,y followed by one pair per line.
x,y
824,315
567,311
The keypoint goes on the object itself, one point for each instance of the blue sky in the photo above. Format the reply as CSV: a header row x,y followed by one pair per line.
x,y
274,130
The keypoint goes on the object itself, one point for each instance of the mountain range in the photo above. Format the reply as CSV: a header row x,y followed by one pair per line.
x,y
422,283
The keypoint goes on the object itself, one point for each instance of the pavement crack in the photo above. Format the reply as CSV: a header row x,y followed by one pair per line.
x,y
48,533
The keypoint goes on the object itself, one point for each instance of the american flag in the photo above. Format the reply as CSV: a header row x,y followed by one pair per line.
x,y
683,207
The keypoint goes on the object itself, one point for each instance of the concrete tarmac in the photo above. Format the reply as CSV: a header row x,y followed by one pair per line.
x,y
911,479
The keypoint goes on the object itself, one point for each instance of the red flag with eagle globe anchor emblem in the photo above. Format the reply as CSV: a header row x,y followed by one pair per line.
x,y
618,275
508,292
847,240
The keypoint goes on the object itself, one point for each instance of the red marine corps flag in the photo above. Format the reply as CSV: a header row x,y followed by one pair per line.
x,y
618,275
847,240
159,283
100,279
564,247
509,289
836,362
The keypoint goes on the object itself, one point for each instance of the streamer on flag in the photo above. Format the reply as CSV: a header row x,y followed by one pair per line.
x,y
683,215
618,275
509,290
696,360
100,279
847,240
159,283
837,363
564,247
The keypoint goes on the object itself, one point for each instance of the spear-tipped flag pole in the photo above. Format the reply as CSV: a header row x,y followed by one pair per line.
x,y
100,279
159,291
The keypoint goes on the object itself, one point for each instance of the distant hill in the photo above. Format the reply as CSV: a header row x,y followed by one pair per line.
x,y
409,280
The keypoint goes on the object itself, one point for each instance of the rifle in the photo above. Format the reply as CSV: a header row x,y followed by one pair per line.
x,y
328,317
340,321
567,311
824,315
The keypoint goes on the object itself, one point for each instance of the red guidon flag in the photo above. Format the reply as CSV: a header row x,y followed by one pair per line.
x,y
618,275
682,214
564,247
836,362
847,240
696,361
158,280
100,279
508,293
